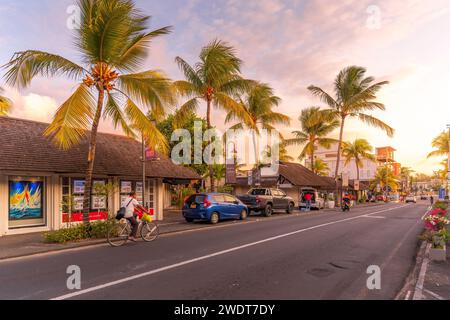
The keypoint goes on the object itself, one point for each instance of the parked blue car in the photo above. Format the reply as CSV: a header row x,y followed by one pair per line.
x,y
213,207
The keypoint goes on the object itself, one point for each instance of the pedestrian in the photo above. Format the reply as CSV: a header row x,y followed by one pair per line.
x,y
308,198
431,200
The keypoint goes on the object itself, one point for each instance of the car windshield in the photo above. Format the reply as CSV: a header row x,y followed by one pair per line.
x,y
197,198
257,192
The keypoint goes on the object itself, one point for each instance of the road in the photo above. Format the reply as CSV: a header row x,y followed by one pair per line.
x,y
317,256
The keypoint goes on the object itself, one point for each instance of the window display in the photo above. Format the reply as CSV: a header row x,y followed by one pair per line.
x,y
26,202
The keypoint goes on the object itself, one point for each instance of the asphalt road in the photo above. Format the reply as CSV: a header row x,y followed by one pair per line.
x,y
317,256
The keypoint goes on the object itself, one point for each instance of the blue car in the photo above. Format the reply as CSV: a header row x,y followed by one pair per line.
x,y
213,207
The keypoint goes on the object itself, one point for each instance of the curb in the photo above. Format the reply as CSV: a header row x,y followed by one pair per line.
x,y
418,291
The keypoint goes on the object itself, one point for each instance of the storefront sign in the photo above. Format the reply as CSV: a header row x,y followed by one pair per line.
x,y
78,186
125,187
78,203
357,185
98,202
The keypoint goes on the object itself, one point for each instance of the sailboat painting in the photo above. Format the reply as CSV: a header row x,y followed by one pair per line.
x,y
25,200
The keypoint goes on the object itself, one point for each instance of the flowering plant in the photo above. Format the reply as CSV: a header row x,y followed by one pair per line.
x,y
436,222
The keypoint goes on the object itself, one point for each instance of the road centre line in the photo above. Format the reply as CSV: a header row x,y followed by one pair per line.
x,y
219,253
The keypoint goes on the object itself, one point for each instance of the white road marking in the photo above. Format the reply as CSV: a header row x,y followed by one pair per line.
x,y
374,217
180,264
408,294
418,295
434,295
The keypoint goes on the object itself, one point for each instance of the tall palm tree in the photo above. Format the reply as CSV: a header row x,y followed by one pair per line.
x,y
385,177
5,104
358,150
441,145
215,79
405,174
355,95
258,104
321,168
316,126
113,41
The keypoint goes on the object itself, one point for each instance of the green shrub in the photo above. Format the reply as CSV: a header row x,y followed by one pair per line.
x,y
225,189
441,205
97,230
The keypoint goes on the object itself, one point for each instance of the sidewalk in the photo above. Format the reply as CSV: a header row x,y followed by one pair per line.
x,y
434,280
30,244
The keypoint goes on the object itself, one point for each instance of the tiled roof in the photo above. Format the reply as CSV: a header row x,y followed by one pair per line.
x,y
24,148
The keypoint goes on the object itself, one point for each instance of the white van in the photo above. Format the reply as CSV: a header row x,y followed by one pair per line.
x,y
317,202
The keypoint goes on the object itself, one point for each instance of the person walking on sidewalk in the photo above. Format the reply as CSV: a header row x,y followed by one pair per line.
x,y
431,200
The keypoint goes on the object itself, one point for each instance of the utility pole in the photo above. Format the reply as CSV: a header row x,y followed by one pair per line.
x,y
143,171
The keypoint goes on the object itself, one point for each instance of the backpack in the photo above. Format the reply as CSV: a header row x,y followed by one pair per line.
x,y
121,213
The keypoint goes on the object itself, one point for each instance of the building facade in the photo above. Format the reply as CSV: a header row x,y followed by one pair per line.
x,y
384,156
42,186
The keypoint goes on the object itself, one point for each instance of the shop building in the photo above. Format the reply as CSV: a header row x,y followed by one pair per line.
x,y
37,179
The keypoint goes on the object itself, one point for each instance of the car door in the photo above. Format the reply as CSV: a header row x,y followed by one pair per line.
x,y
277,199
234,209
220,205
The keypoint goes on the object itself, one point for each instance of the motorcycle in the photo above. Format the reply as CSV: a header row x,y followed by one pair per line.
x,y
345,206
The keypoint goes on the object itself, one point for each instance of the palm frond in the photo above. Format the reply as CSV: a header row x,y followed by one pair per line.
x,y
138,120
5,104
137,50
181,114
149,88
190,74
73,118
114,112
377,123
323,96
26,65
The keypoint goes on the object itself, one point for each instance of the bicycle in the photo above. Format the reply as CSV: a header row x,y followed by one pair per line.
x,y
119,231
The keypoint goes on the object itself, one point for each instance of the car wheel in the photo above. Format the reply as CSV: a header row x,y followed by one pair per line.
x,y
214,219
268,210
189,220
290,208
244,215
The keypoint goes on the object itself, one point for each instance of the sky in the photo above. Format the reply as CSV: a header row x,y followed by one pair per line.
x,y
289,44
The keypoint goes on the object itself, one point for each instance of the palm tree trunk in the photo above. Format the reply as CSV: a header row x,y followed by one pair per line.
x,y
341,136
211,169
91,157
312,158
357,178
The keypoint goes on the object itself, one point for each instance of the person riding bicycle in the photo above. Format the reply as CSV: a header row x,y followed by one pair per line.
x,y
131,205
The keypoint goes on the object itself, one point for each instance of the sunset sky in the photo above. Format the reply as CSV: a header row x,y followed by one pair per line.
x,y
289,44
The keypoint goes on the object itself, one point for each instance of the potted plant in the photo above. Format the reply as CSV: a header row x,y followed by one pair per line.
x,y
330,201
436,223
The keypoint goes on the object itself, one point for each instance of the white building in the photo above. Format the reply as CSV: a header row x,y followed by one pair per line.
x,y
329,156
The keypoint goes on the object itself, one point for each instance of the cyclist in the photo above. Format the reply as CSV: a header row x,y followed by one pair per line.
x,y
131,205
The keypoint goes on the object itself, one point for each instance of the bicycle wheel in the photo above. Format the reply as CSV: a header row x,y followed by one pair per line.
x,y
118,233
149,231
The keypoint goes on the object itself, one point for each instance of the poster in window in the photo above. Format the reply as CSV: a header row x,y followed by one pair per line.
x,y
26,200
78,186
125,187
98,202
78,203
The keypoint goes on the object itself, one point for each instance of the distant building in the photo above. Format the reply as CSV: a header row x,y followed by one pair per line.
x,y
384,156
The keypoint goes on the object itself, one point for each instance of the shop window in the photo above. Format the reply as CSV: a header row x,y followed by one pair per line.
x,y
26,202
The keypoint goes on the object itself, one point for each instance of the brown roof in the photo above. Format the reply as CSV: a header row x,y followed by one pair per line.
x,y
24,148
299,175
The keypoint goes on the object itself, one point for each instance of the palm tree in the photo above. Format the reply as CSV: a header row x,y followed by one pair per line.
x,y
316,126
321,168
355,95
5,104
258,105
358,150
441,145
405,173
216,80
385,177
113,42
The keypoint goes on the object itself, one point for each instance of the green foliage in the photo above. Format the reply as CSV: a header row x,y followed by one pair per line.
x,y
225,189
441,205
96,230
168,126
